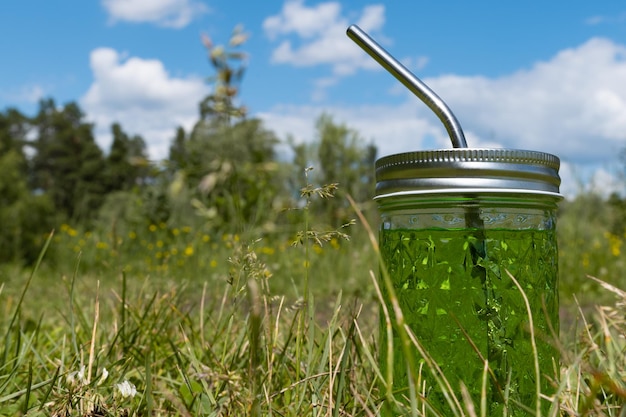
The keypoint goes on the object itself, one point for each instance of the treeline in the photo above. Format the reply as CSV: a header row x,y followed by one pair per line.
x,y
225,172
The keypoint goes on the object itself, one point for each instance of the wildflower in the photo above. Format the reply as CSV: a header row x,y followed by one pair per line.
x,y
152,228
104,376
77,377
81,374
126,389
585,260
188,251
267,250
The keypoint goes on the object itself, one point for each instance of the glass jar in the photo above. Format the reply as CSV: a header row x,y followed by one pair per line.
x,y
459,228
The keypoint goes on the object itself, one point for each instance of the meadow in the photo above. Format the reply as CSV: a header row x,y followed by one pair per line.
x,y
178,320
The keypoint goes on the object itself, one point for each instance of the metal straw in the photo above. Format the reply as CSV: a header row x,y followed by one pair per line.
x,y
437,105
410,81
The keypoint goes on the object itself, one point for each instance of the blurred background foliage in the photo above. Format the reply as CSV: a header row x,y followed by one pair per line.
x,y
223,176
222,179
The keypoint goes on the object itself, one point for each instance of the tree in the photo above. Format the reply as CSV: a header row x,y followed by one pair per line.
x,y
14,128
68,165
233,169
178,153
24,217
227,162
126,164
339,155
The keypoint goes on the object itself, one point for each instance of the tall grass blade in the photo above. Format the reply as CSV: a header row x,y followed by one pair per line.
x,y
533,344
46,395
29,386
7,337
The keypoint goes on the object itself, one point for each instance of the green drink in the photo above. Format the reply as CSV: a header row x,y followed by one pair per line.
x,y
468,241
464,308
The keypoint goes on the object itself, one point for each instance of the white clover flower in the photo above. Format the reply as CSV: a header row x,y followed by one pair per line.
x,y
104,376
81,375
126,389
76,377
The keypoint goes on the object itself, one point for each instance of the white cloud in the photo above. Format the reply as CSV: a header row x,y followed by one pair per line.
x,y
166,13
307,22
311,36
141,96
573,105
606,19
322,31
25,94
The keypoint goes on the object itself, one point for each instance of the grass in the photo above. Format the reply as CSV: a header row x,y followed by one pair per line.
x,y
122,325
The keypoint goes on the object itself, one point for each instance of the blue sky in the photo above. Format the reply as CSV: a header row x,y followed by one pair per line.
x,y
548,76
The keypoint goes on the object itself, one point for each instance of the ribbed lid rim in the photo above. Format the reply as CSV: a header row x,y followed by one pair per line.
x,y
511,156
427,171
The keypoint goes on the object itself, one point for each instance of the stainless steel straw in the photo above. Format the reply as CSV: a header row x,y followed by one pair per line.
x,y
437,105
410,81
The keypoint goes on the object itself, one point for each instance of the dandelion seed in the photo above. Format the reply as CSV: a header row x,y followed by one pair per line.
x,y
126,389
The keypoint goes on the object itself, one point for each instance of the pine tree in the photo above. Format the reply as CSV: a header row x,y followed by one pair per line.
x,y
126,162
68,164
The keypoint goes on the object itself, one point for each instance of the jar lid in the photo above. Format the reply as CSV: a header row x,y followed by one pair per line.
x,y
467,170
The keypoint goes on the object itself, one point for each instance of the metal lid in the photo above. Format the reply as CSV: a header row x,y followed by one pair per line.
x,y
467,170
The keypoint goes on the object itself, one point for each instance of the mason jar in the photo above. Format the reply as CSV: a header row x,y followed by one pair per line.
x,y
468,243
